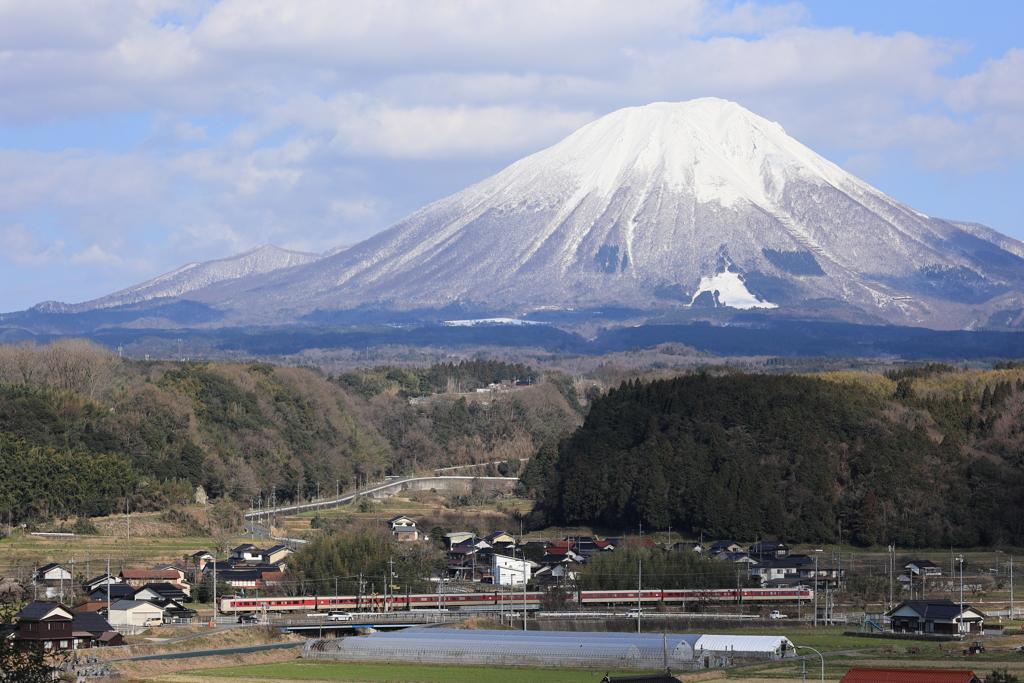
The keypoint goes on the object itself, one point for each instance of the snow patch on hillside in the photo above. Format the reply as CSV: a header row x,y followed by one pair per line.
x,y
729,290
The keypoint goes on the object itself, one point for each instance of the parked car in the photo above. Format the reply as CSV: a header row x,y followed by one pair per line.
x,y
153,621
339,616
248,619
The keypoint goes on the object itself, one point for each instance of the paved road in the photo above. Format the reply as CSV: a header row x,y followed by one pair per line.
x,y
285,510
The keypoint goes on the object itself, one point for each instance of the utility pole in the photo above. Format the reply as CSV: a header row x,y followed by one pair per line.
x,y
391,572
1011,586
214,619
128,519
960,625
108,586
892,570
524,588
639,583
815,589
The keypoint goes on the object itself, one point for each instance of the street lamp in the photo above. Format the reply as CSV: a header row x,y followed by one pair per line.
x,y
805,647
960,625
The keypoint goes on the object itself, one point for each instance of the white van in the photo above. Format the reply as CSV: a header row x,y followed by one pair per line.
x,y
339,616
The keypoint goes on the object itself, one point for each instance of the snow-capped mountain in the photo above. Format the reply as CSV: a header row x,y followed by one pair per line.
x,y
178,283
698,203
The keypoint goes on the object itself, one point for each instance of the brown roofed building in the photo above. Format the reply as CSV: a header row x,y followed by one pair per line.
x,y
137,578
871,675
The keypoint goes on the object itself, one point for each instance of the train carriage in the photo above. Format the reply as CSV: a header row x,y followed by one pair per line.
x,y
231,604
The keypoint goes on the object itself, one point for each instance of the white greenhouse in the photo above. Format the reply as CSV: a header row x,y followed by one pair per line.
x,y
551,648
511,648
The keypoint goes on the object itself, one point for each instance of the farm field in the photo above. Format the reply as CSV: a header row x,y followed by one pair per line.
x,y
303,670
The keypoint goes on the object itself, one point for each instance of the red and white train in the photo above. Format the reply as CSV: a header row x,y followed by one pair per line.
x,y
232,604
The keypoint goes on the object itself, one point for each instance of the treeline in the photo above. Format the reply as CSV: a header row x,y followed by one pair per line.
x,y
42,482
466,376
447,429
156,431
361,561
803,459
654,568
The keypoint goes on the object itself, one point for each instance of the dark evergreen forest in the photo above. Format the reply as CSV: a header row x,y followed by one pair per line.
x,y
797,458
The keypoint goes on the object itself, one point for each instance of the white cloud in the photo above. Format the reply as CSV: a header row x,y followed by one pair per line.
x,y
23,247
997,85
275,122
95,255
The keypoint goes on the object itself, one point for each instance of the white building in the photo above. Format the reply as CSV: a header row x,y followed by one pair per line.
x,y
133,613
509,571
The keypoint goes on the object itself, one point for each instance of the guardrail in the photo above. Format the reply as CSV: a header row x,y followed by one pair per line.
x,y
647,615
369,618
398,483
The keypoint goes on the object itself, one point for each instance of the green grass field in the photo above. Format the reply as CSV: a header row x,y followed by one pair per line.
x,y
302,670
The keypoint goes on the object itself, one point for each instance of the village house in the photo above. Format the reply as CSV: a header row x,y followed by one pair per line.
x,y
114,591
99,582
724,547
404,528
509,571
935,616
247,552
925,568
55,627
52,574
277,555
768,550
47,624
456,537
160,591
137,578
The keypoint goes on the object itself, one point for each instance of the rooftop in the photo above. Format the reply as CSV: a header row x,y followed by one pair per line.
x,y
870,675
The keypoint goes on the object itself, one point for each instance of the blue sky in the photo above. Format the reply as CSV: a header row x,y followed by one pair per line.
x,y
139,135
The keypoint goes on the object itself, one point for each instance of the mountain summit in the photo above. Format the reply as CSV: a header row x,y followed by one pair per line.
x,y
698,203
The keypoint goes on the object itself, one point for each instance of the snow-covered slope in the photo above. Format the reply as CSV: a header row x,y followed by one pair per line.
x,y
659,206
256,261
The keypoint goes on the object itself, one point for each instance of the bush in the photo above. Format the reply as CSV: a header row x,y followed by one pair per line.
x,y
85,527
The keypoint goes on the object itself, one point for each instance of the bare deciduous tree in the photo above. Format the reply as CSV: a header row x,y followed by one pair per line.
x,y
20,363
80,365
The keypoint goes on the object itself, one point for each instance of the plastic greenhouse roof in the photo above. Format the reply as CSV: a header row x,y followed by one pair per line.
x,y
538,648
766,645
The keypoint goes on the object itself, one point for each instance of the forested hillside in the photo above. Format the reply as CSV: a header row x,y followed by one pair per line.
x,y
925,457
81,428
